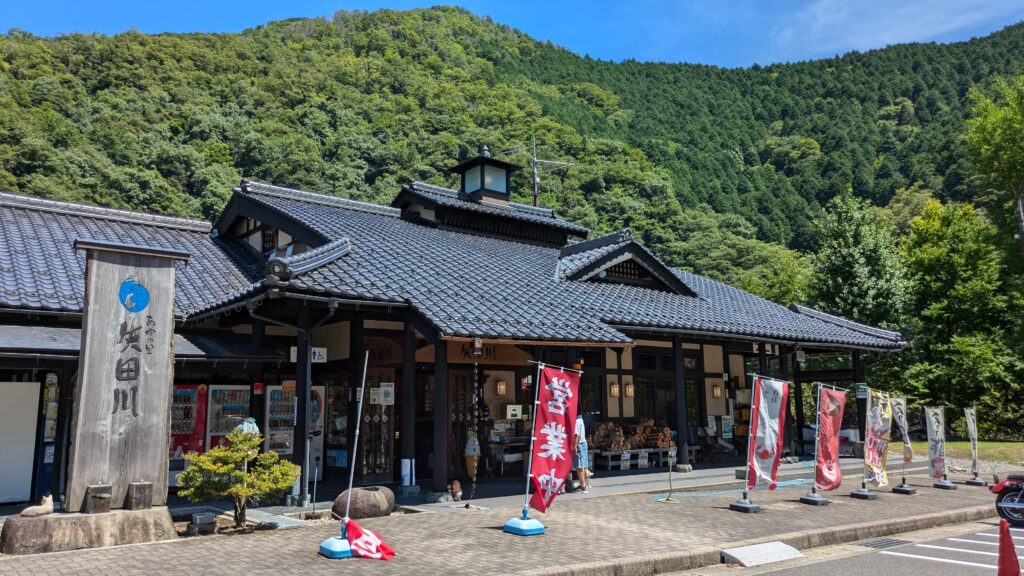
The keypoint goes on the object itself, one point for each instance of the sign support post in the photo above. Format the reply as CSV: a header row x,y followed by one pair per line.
x,y
813,498
524,525
865,493
903,488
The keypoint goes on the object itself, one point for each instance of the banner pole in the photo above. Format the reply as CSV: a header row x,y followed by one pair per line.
x,y
971,415
744,504
814,498
863,493
526,526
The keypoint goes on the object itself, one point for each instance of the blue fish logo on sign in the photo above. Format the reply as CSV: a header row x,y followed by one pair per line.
x,y
133,296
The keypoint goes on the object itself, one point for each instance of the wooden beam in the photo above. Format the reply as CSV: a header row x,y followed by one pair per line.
x,y
440,472
679,380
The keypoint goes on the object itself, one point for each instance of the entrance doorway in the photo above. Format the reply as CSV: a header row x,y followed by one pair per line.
x,y
377,435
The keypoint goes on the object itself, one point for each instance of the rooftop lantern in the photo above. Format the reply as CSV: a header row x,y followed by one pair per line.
x,y
486,177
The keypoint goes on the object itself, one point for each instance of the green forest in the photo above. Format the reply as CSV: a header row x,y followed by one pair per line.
x,y
876,185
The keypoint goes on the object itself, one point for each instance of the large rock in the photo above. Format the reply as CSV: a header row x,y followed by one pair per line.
x,y
58,532
368,502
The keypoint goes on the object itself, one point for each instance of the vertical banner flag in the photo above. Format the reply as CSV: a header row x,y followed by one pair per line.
x,y
830,419
936,441
899,416
122,410
767,421
877,437
553,434
971,416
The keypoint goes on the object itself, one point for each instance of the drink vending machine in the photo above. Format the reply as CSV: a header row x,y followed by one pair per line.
x,y
228,407
188,426
280,430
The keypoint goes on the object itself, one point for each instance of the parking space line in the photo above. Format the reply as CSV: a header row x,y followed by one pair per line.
x,y
973,541
968,550
933,559
997,535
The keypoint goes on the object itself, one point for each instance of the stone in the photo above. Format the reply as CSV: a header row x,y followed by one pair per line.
x,y
439,497
368,502
139,497
97,499
684,468
61,532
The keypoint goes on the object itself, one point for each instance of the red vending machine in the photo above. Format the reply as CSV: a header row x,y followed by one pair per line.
x,y
188,426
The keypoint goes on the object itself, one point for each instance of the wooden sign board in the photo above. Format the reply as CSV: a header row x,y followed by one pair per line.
x,y
493,354
120,431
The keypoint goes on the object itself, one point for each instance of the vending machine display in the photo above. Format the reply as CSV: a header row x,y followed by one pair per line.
x,y
188,426
228,407
280,419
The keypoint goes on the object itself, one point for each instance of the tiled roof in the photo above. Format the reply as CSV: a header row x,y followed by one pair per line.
x,y
471,285
41,270
514,210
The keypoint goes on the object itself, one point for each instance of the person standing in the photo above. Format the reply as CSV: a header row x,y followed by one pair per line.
x,y
581,456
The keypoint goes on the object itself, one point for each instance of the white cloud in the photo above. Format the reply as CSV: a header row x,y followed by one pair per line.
x,y
836,26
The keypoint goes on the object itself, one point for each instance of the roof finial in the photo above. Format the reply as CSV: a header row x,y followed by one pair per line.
x,y
485,152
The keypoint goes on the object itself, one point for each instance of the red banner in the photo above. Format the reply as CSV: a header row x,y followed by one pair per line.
x,y
553,434
366,543
767,421
828,476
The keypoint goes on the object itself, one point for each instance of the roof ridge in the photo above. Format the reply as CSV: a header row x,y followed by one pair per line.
x,y
89,210
458,195
616,237
257,187
846,323
290,266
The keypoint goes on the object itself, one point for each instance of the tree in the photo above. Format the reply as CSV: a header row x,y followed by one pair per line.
x,y
236,470
957,355
857,272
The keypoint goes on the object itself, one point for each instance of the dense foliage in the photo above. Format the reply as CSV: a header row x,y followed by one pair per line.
x,y
807,182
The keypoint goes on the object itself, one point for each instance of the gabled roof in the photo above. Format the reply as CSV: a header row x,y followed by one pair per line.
x,y
41,270
471,285
588,259
433,196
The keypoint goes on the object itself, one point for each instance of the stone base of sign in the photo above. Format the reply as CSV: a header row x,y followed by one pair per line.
x,y
814,499
745,506
864,494
368,502
139,497
904,489
684,468
97,499
976,481
61,532
944,485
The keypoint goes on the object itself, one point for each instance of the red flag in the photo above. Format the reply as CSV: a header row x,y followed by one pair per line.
x,y
1008,564
367,543
554,428
828,476
768,416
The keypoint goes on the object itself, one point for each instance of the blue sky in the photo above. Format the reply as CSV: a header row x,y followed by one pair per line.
x,y
724,32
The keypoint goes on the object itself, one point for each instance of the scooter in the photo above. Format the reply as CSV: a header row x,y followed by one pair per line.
x,y
1010,498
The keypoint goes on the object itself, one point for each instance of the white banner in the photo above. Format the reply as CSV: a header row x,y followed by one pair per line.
x,y
971,416
767,420
936,441
899,416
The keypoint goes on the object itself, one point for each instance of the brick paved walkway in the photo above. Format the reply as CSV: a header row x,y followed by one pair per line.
x,y
472,543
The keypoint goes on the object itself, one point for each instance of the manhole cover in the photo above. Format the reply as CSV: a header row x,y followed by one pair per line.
x,y
879,543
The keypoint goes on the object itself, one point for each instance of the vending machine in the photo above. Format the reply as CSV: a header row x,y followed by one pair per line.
x,y
279,435
228,406
280,419
188,426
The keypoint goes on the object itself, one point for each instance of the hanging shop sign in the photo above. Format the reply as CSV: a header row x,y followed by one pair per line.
x,y
491,354
876,438
553,431
936,441
899,417
123,398
317,355
768,419
828,475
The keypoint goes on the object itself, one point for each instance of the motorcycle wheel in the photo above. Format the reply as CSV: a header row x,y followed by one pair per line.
x,y
1015,516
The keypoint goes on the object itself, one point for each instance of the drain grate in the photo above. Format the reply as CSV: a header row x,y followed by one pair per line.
x,y
879,543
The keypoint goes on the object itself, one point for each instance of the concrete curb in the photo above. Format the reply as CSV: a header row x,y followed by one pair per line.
x,y
650,564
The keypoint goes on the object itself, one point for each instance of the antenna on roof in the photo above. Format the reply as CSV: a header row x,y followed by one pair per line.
x,y
539,166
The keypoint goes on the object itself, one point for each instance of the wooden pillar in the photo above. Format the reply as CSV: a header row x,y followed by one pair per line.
x,y
762,359
440,471
62,439
303,389
784,373
407,423
862,403
257,403
682,423
799,395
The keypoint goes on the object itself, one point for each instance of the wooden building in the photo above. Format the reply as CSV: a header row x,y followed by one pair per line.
x,y
452,292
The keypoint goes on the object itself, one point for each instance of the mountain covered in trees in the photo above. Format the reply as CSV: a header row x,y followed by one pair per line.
x,y
813,181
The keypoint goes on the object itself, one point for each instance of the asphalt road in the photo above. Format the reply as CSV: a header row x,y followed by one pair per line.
x,y
962,550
